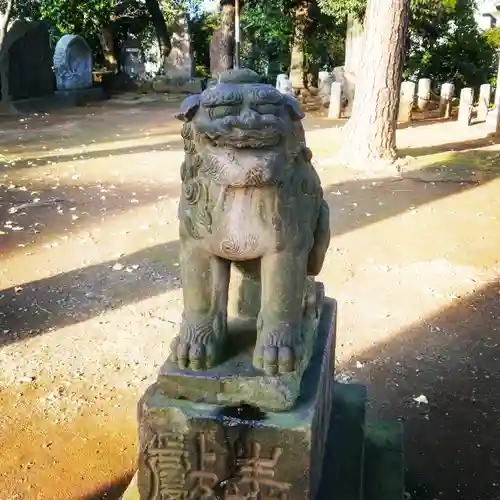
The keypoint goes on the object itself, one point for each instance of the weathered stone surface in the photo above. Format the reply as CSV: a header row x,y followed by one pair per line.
x,y
465,106
335,107
193,451
251,198
484,102
325,81
446,96
26,62
423,93
73,63
284,85
406,100
235,380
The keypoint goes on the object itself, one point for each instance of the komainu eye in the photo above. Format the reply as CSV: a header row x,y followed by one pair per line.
x,y
267,109
221,111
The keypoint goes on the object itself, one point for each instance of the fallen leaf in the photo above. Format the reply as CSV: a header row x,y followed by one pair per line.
x,y
421,400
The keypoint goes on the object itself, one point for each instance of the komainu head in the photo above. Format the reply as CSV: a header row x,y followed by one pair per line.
x,y
246,132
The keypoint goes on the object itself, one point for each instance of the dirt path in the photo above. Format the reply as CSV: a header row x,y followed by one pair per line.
x,y
90,297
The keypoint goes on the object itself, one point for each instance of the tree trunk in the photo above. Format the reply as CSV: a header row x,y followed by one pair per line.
x,y
161,29
107,40
223,40
369,137
4,64
4,20
298,75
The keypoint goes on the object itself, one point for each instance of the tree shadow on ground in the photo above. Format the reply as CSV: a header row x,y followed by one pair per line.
x,y
452,358
152,147
460,146
357,203
76,296
111,491
70,128
67,208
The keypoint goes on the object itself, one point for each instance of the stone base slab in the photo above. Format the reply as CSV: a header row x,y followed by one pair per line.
x,y
236,381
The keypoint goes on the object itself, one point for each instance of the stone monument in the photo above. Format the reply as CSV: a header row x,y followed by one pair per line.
x,y
132,61
73,63
244,409
179,63
26,62
325,80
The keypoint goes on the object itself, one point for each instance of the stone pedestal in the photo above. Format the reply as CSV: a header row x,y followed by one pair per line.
x,y
363,459
238,451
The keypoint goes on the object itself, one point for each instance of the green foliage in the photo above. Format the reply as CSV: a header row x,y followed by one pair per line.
x,y
340,8
267,31
444,42
492,37
447,46
83,18
201,27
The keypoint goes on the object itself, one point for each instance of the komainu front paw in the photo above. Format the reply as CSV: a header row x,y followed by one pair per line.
x,y
196,347
276,351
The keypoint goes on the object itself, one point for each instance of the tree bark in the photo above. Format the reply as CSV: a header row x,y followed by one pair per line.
x,y
4,20
162,33
298,71
223,40
107,40
4,65
369,137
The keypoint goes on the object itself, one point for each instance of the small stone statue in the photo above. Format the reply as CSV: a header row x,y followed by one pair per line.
x,y
284,85
251,198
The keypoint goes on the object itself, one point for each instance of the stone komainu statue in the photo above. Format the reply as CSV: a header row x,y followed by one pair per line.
x,y
251,197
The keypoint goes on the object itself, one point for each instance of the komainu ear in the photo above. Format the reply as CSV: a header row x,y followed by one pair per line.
x,y
188,108
293,107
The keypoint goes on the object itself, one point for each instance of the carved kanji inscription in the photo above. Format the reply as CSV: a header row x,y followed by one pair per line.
x,y
166,457
205,480
254,479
